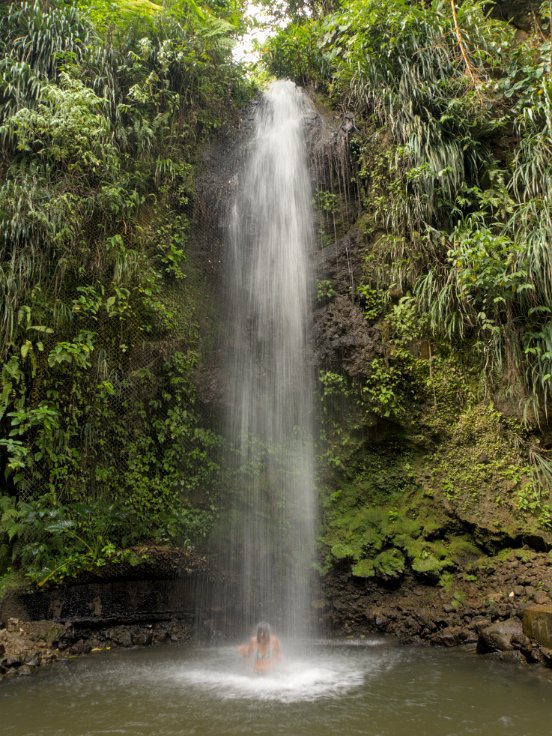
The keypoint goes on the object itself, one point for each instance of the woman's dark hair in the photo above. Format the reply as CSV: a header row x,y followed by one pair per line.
x,y
263,631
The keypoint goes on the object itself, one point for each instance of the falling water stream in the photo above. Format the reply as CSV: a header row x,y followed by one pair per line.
x,y
269,556
371,687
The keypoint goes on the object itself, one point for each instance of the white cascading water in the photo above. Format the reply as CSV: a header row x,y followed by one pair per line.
x,y
272,544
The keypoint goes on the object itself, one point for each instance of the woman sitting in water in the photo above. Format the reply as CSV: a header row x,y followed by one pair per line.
x,y
265,650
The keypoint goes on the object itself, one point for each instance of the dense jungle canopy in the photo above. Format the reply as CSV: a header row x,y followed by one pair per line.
x,y
434,345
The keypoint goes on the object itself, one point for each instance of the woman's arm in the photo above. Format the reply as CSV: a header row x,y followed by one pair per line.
x,y
246,650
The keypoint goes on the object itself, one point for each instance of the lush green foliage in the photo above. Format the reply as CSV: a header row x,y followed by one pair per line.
x,y
452,168
102,106
454,164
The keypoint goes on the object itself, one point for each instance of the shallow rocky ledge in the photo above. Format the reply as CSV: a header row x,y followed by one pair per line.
x,y
506,613
140,605
27,645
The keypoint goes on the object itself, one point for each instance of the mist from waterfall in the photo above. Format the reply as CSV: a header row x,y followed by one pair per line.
x,y
271,548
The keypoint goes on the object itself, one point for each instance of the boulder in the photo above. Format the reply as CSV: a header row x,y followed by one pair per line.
x,y
537,624
447,637
498,636
142,638
120,635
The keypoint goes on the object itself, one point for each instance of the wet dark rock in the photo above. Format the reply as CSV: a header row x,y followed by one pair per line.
x,y
498,636
142,638
160,636
80,647
66,638
341,604
427,623
381,621
34,660
120,635
480,623
520,641
530,649
447,638
469,637
513,656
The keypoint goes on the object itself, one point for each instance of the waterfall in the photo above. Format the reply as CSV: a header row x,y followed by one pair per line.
x,y
271,549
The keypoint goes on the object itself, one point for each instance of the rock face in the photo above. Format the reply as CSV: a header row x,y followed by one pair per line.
x,y
537,624
523,14
159,585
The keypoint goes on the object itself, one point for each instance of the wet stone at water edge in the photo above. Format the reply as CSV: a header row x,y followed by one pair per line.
x,y
537,624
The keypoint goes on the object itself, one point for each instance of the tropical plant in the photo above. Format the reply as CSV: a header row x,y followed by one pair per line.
x,y
102,107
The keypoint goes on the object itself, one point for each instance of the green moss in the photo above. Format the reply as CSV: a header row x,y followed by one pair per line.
x,y
384,533
431,560
388,564
481,472
343,552
463,551
504,557
363,569
427,558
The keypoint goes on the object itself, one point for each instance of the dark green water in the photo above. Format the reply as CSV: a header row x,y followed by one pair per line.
x,y
335,689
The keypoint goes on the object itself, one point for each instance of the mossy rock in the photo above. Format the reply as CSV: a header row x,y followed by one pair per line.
x,y
430,566
432,559
482,476
389,564
343,552
505,557
537,624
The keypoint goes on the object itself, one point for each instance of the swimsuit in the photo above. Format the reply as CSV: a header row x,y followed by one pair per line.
x,y
268,655
260,658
